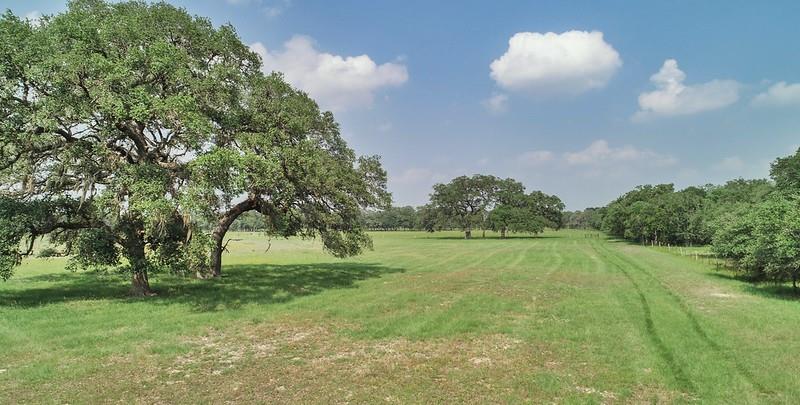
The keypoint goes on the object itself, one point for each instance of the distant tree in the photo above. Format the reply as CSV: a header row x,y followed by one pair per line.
x,y
428,219
590,218
463,201
497,192
530,213
492,203
391,218
251,221
548,207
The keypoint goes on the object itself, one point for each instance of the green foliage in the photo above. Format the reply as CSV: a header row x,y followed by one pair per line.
x,y
590,218
94,248
460,201
764,241
21,222
785,172
516,219
490,203
661,215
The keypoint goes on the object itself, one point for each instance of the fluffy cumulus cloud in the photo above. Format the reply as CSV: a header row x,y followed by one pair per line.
x,y
497,103
270,8
336,82
570,62
779,94
673,97
34,17
600,152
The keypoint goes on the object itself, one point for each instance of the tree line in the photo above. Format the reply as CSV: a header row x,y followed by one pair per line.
x,y
482,202
755,224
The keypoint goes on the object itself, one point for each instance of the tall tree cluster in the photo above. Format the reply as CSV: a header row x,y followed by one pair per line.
x,y
764,241
124,125
489,203
753,223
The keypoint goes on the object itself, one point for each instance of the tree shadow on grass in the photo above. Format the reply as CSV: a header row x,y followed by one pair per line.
x,y
269,284
773,290
754,286
241,284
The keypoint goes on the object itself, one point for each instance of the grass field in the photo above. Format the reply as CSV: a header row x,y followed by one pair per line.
x,y
423,318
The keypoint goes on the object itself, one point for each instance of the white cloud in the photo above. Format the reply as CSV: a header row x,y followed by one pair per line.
x,y
413,175
385,127
336,82
276,8
571,62
729,164
673,97
34,17
270,8
779,94
599,152
497,103
535,157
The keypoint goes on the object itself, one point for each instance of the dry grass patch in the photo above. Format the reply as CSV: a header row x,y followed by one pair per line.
x,y
289,363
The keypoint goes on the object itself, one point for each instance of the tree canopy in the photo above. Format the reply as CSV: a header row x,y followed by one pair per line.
x,y
488,202
124,124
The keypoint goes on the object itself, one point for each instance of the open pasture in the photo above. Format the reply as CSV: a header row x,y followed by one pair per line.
x,y
422,318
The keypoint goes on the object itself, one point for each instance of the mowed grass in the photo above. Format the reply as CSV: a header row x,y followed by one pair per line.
x,y
424,318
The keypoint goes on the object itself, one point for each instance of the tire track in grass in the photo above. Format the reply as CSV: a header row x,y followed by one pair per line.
x,y
666,354
696,326
521,255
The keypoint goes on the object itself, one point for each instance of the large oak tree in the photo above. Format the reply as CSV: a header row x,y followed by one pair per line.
x,y
123,124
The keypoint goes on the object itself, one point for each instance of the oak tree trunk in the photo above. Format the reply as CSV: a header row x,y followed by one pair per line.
x,y
502,233
218,235
215,261
134,251
468,234
140,285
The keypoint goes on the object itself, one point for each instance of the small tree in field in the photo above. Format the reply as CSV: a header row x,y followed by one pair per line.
x,y
124,123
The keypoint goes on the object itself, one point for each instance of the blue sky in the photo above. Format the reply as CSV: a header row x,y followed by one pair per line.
x,y
590,98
